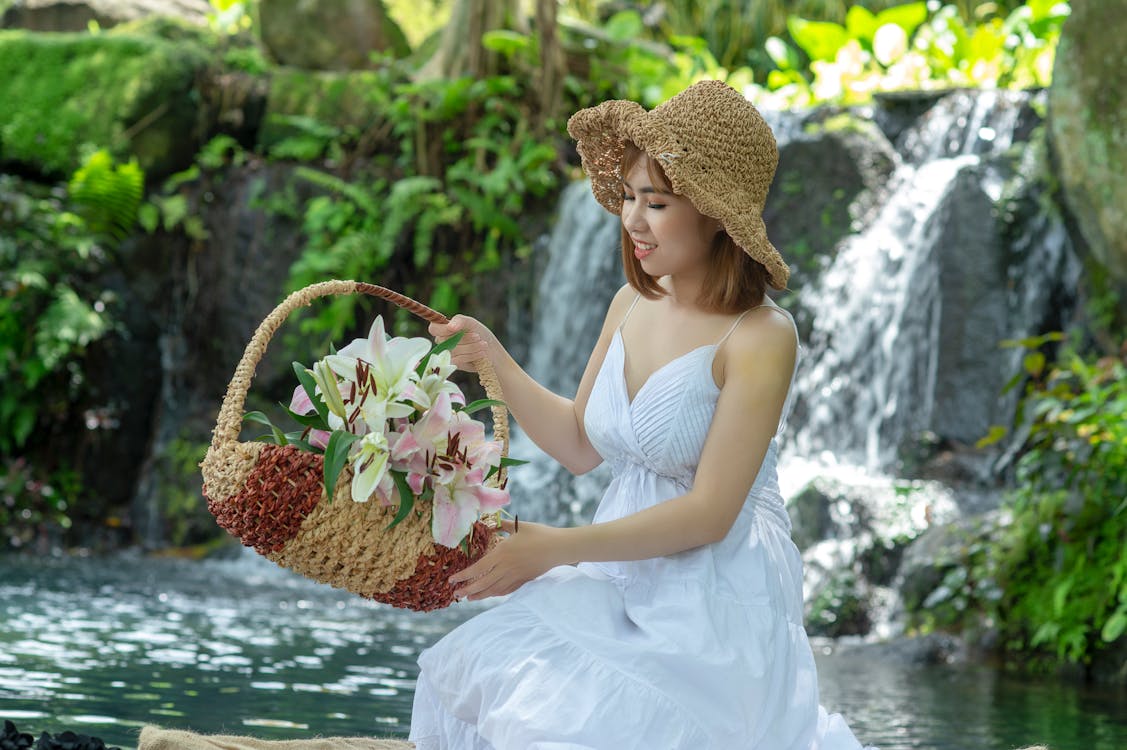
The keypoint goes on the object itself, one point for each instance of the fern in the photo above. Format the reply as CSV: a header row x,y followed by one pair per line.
x,y
108,195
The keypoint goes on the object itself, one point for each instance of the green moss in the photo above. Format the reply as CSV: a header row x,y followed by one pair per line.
x,y
67,92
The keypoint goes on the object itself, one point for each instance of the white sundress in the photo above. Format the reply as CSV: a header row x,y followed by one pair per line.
x,y
704,649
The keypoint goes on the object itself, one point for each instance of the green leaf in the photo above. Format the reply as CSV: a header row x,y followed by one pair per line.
x,y
1034,363
996,433
624,26
336,456
505,42
443,346
781,53
907,17
406,497
480,404
820,40
861,23
260,418
1115,626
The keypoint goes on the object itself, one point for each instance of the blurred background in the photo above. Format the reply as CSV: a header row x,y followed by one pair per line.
x,y
950,200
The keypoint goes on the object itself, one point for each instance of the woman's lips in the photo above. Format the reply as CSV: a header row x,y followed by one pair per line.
x,y
643,249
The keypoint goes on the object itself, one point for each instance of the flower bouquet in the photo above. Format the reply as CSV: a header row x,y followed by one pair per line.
x,y
389,485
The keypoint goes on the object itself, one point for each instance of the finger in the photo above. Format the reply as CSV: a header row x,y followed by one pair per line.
x,y
508,526
497,586
473,571
476,588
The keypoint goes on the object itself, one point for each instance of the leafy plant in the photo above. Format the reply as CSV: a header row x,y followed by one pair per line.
x,y
1054,578
108,195
51,311
32,508
910,47
465,170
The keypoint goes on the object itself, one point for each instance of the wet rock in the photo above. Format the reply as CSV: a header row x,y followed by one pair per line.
x,y
329,35
934,555
829,180
76,15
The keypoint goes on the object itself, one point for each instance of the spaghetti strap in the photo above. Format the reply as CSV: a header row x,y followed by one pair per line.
x,y
745,312
736,323
628,311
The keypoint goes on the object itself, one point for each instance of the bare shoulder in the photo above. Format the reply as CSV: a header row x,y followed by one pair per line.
x,y
765,337
619,304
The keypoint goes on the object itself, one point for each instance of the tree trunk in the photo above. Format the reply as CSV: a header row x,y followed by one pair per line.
x,y
460,51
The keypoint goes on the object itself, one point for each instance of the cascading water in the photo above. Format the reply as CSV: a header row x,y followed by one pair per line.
x,y
583,273
907,318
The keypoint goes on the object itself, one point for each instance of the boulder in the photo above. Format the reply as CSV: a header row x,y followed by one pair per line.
x,y
76,15
1088,129
329,34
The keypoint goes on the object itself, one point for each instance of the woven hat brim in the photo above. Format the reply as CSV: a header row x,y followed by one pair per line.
x,y
601,134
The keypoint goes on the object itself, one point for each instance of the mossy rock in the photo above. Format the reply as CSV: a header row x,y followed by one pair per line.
x,y
345,102
129,93
1089,127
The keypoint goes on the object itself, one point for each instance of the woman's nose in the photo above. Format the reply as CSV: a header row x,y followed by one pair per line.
x,y
631,216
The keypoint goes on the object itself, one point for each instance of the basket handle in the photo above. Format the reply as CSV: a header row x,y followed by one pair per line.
x,y
229,422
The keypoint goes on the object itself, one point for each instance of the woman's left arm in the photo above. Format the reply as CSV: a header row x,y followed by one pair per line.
x,y
757,373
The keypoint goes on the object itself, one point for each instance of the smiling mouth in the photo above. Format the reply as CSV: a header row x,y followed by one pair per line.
x,y
643,249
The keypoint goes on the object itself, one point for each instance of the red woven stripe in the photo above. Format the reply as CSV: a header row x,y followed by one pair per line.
x,y
429,588
281,490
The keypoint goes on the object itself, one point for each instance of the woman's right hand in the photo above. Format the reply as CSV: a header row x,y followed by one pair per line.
x,y
475,344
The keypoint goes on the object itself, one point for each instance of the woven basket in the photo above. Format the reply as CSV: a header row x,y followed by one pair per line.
x,y
273,498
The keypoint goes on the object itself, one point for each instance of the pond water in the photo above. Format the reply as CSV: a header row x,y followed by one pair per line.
x,y
104,646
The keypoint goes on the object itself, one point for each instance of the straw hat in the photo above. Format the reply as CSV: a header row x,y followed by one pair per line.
x,y
714,146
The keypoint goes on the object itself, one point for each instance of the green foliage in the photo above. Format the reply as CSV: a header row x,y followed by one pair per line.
x,y
33,509
107,195
1053,578
799,54
910,47
232,16
65,92
183,506
50,308
464,172
1063,562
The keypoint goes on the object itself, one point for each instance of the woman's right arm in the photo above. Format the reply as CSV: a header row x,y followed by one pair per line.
x,y
553,422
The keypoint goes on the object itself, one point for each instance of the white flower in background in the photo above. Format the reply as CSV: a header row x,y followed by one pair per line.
x,y
890,43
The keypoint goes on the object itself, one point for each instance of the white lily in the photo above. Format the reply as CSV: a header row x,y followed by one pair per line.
x,y
382,369
434,382
369,465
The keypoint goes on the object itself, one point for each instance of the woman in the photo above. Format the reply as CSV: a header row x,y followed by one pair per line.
x,y
675,619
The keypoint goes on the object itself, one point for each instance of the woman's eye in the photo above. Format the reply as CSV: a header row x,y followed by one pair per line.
x,y
655,205
626,197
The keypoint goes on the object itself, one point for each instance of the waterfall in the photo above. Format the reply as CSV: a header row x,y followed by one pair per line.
x,y
908,316
584,271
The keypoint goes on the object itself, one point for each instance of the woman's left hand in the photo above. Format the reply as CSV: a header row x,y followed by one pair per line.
x,y
515,560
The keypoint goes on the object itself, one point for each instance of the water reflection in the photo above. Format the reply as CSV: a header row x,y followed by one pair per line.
x,y
106,646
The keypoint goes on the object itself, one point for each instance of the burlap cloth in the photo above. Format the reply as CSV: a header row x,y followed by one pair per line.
x,y
155,738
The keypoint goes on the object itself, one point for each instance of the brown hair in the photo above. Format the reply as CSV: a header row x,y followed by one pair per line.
x,y
735,281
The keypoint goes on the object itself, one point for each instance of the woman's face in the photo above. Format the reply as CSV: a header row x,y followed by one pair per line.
x,y
670,236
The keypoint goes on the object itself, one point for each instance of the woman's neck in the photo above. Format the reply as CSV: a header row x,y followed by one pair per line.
x,y
684,292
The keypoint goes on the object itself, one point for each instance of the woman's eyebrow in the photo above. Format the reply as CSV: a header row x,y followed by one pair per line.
x,y
643,189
